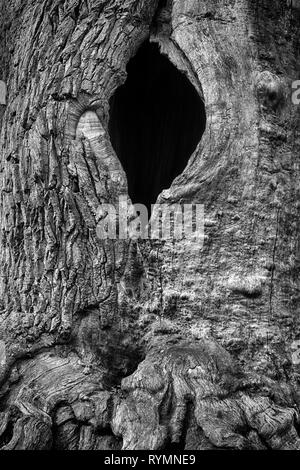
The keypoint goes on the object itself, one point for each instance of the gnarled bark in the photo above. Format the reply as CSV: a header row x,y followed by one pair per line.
x,y
140,344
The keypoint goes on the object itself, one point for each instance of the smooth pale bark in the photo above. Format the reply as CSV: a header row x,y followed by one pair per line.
x,y
138,345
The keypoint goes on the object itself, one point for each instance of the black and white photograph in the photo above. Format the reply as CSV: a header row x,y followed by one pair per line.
x,y
149,229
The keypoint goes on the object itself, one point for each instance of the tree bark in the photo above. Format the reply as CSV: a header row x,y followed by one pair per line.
x,y
143,344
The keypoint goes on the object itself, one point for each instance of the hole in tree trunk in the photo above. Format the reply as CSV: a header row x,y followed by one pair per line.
x,y
157,119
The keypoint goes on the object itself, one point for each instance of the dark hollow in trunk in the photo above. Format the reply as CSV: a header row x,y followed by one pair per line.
x,y
157,119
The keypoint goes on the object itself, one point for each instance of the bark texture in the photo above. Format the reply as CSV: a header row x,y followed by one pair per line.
x,y
145,345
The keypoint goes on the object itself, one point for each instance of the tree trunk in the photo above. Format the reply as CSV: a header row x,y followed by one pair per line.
x,y
145,344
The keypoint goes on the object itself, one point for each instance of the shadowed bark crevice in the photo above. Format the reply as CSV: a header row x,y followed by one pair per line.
x,y
157,119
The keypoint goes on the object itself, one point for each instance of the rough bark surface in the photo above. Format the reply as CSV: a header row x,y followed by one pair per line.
x,y
140,344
